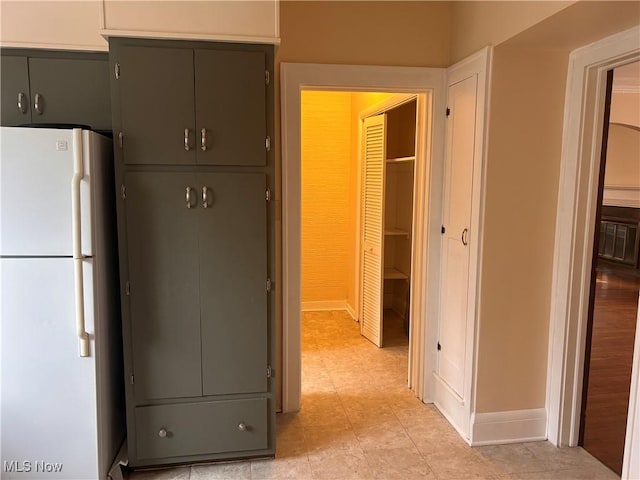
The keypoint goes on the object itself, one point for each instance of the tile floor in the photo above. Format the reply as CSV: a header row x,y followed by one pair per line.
x,y
359,421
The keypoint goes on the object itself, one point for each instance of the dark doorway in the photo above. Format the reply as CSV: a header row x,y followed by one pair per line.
x,y
613,310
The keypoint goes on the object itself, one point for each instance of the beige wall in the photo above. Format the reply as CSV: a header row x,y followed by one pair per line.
x,y
477,24
522,175
623,156
625,108
51,24
365,33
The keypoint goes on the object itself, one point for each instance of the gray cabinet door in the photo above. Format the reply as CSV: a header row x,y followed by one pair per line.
x,y
156,105
15,81
231,107
70,91
162,234
233,274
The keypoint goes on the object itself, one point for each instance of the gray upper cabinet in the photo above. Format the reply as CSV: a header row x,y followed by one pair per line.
x,y
156,104
60,88
231,107
181,106
14,91
70,91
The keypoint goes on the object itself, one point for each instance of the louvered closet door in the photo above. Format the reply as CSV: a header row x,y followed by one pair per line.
x,y
374,148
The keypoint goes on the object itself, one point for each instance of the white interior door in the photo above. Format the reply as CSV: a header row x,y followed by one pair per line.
x,y
373,170
453,319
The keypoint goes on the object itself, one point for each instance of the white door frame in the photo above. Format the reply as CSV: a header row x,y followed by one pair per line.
x,y
297,77
575,223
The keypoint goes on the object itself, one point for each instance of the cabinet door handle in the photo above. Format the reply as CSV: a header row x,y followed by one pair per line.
x,y
464,236
187,147
36,104
205,197
188,197
203,139
21,105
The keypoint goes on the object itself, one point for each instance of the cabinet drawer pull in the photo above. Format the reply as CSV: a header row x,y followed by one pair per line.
x,y
205,197
464,237
188,197
203,139
187,147
21,105
36,104
242,427
162,433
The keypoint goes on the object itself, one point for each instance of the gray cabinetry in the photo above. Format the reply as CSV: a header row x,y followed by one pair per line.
x,y
193,106
196,235
14,91
46,88
163,284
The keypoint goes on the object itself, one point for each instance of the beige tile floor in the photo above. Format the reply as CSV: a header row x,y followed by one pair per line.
x,y
359,421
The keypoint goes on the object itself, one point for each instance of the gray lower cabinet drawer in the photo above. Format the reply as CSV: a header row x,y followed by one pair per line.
x,y
201,428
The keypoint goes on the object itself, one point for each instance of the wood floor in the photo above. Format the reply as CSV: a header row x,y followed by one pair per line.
x,y
609,377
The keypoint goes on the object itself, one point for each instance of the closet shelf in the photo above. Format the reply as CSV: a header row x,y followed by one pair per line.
x,y
396,232
400,159
391,273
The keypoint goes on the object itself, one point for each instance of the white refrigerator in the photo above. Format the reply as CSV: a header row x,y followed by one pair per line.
x,y
61,380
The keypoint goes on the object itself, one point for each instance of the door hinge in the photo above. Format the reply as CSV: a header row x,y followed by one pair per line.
x,y
267,144
267,77
269,284
269,371
448,111
443,230
132,379
121,139
439,346
123,192
267,195
116,70
127,288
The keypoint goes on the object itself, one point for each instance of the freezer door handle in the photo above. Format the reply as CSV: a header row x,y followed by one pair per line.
x,y
78,174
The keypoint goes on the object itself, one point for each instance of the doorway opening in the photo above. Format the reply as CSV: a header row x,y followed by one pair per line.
x,y
357,218
615,279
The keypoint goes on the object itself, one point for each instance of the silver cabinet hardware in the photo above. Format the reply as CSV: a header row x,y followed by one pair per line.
x,y
464,236
127,288
188,197
187,147
116,70
267,195
205,197
242,427
37,105
267,144
267,77
162,433
121,139
203,139
21,105
123,192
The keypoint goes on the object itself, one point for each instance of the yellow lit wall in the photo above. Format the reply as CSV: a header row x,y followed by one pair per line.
x,y
326,166
330,177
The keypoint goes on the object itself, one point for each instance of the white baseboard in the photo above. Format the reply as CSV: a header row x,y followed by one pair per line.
x,y
324,305
351,311
513,426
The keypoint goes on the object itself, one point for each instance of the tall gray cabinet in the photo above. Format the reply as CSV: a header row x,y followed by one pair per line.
x,y
193,124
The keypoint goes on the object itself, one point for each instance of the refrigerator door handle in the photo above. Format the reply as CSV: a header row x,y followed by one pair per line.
x,y
78,174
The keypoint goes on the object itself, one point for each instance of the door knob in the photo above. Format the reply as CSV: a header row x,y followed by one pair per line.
x,y
242,427
162,433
